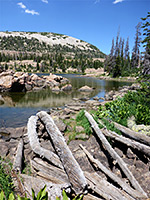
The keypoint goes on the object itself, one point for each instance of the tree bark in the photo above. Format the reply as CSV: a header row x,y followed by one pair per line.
x,y
72,168
134,193
114,155
35,145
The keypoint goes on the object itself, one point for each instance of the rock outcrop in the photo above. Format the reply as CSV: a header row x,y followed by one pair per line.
x,y
22,82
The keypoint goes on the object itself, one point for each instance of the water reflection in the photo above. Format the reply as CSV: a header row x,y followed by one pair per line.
x,y
16,108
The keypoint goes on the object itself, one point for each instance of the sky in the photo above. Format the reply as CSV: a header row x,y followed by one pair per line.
x,y
94,21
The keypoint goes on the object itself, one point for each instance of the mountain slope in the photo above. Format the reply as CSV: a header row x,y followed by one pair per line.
x,y
44,42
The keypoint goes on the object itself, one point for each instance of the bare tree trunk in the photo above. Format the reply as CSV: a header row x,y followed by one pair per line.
x,y
130,143
35,145
105,189
114,177
17,164
114,155
72,168
132,134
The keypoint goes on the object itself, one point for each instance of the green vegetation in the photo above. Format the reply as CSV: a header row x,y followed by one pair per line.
x,y
135,104
6,183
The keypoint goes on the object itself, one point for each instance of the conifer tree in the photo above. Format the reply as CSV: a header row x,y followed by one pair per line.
x,y
146,42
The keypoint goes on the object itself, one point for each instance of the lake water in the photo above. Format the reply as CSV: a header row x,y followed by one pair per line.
x,y
19,107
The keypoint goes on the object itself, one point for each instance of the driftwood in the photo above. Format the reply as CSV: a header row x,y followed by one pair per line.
x,y
132,134
35,145
72,168
53,173
98,165
54,190
114,155
130,143
105,189
17,164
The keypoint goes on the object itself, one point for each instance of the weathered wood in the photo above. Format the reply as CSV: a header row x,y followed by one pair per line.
x,y
17,164
105,189
114,155
132,134
134,193
35,145
50,170
72,168
130,143
37,184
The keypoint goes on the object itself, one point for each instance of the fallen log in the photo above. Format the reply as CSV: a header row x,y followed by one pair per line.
x,y
126,187
132,134
17,164
51,171
72,168
54,190
130,143
35,145
105,189
114,155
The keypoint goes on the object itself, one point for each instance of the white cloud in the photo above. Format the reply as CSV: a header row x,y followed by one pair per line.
x,y
45,1
32,12
21,5
117,1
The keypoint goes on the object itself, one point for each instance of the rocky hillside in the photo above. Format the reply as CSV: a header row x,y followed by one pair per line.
x,y
43,42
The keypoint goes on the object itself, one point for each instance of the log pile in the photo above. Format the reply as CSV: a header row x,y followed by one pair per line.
x,y
77,170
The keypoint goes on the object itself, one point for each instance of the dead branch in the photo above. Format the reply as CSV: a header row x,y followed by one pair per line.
x,y
72,168
135,194
17,164
114,155
35,145
132,134
130,143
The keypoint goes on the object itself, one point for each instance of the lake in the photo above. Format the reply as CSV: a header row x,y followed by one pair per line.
x,y
18,107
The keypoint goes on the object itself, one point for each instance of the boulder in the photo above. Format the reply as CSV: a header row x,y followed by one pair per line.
x,y
85,89
67,87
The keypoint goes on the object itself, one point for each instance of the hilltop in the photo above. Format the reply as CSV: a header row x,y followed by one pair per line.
x,y
43,42
44,52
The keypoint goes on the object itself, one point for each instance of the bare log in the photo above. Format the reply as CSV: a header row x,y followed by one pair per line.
x,y
132,134
114,155
17,164
130,143
36,184
105,189
72,168
35,145
134,193
51,171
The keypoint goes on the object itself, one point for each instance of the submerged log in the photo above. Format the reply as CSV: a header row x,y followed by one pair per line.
x,y
17,164
132,134
114,155
126,187
130,143
105,189
35,145
72,168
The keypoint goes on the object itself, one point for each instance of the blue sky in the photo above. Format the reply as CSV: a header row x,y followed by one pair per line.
x,y
94,21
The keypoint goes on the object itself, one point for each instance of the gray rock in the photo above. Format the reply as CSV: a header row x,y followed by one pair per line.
x,y
67,87
82,137
85,89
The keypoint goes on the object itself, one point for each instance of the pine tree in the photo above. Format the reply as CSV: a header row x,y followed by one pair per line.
x,y
127,55
146,42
